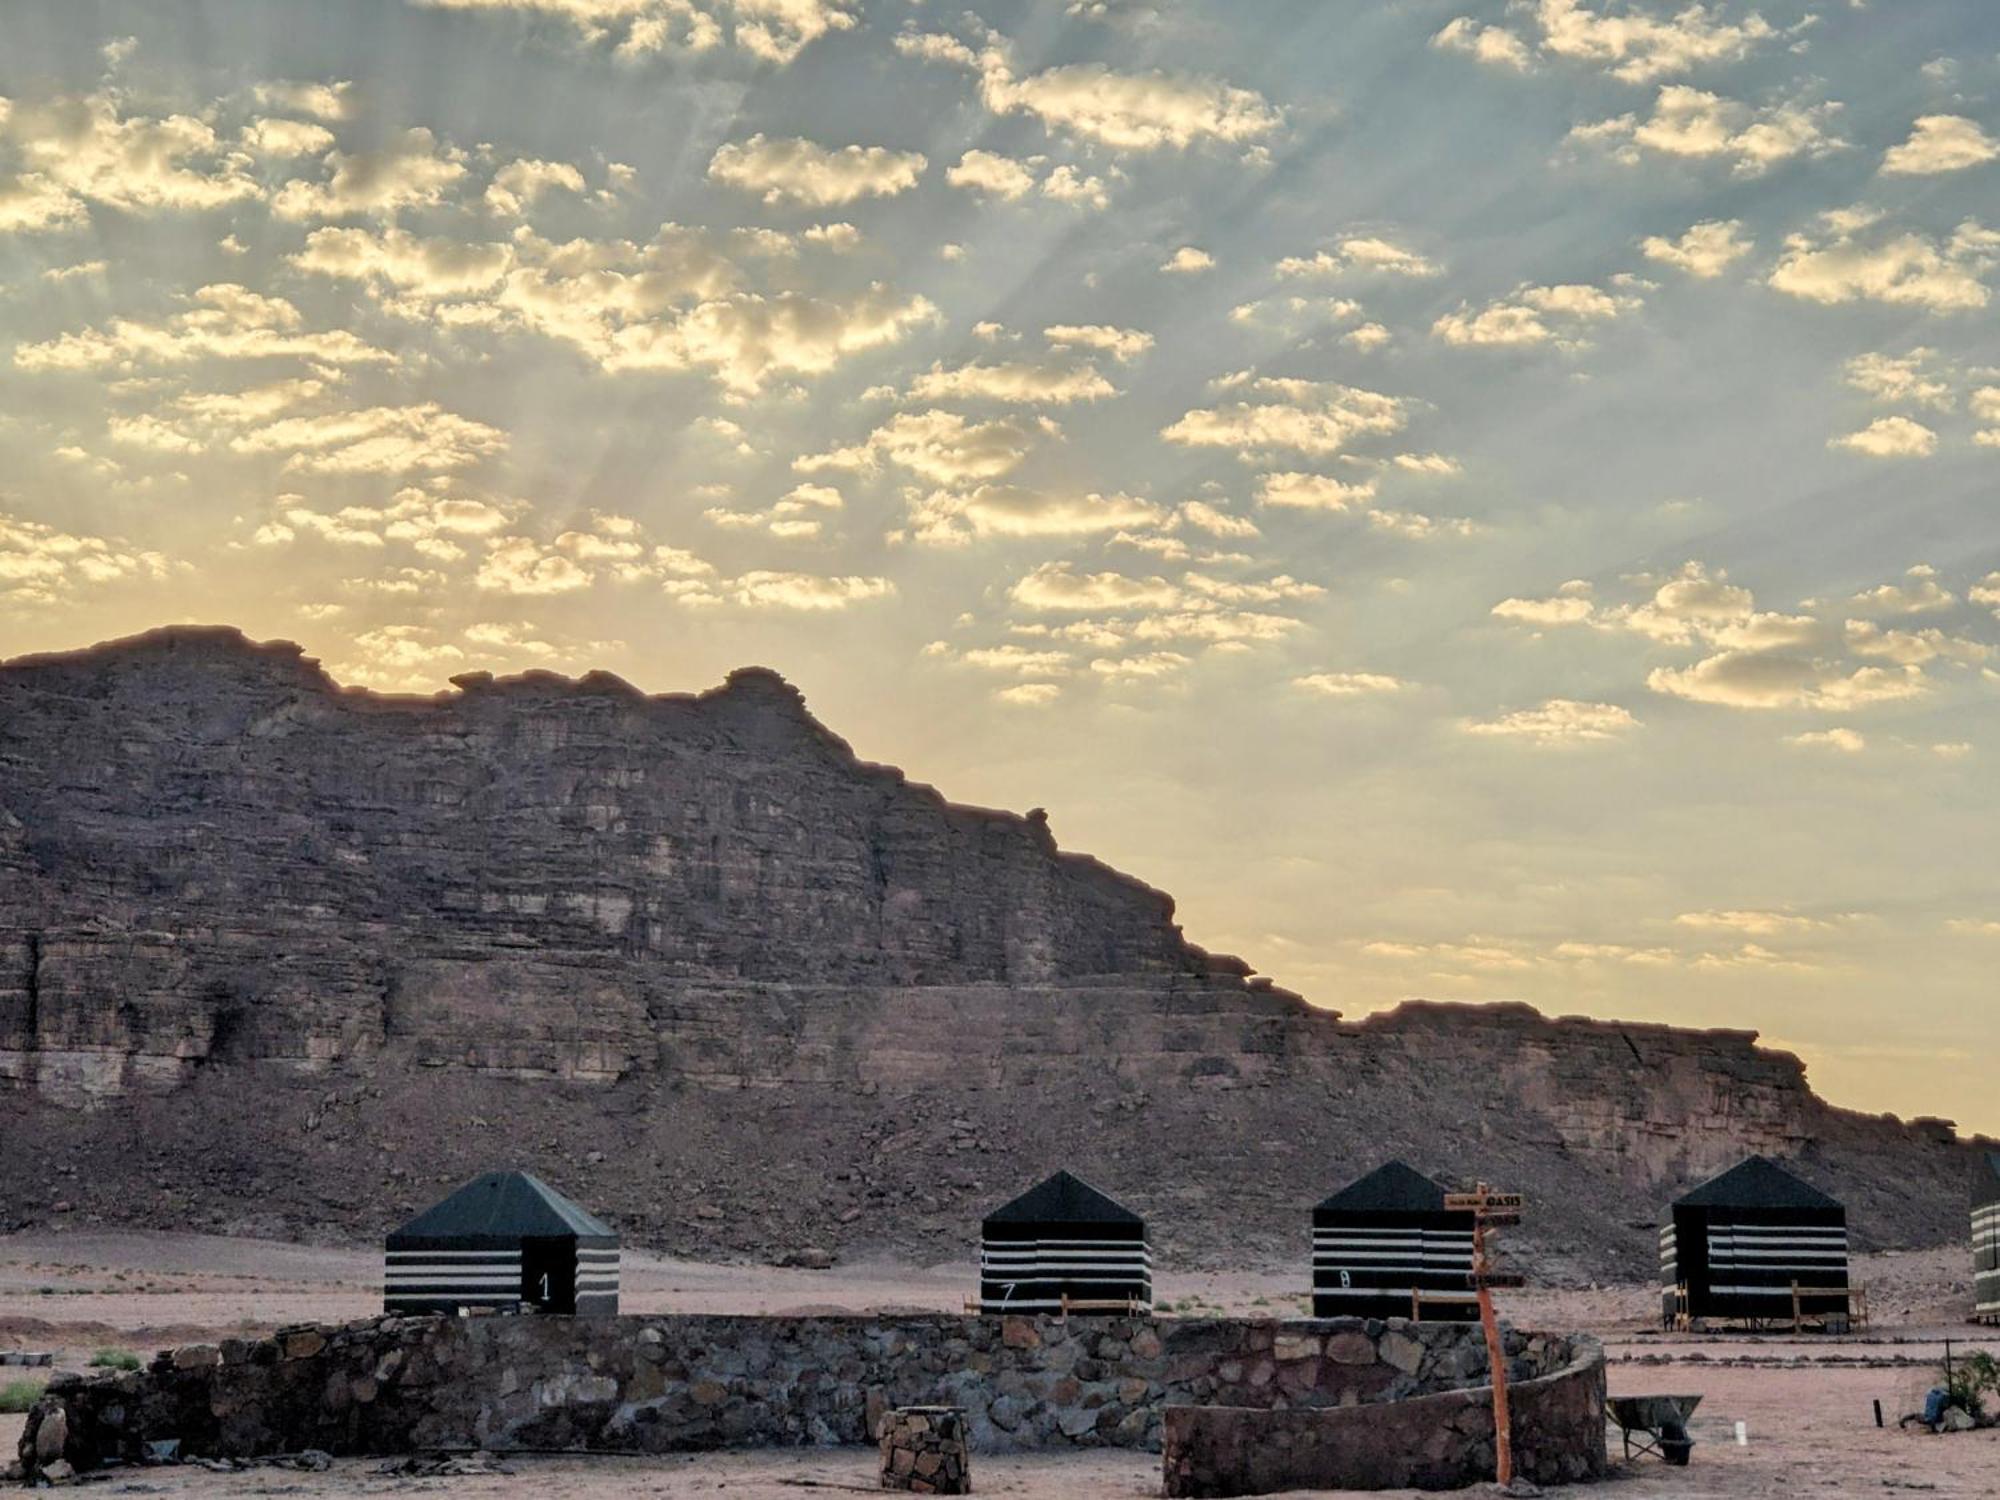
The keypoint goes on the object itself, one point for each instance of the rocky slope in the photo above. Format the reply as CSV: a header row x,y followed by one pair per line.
x,y
279,955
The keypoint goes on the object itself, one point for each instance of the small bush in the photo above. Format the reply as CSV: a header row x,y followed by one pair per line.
x,y
18,1396
1973,1379
114,1359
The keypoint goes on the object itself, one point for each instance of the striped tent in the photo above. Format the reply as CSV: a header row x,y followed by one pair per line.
x,y
1736,1245
1986,1238
1386,1238
504,1240
1060,1244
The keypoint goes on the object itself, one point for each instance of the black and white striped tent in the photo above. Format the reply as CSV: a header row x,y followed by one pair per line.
x,y
504,1240
1986,1238
1735,1246
1385,1238
1060,1244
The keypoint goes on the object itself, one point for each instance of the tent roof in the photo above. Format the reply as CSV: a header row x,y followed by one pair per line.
x,y
1756,1182
1391,1186
1063,1199
509,1204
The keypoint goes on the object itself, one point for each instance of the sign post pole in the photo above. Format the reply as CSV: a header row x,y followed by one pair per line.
x,y
1490,1212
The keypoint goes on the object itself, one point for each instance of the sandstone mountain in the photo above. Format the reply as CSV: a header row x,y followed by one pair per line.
x,y
280,956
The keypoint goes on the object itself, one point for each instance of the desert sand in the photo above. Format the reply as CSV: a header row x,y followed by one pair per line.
x,y
1807,1404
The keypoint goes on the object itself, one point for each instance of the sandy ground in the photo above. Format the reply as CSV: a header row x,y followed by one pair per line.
x,y
1807,1404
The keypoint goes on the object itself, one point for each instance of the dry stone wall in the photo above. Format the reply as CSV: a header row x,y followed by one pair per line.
x,y
671,1384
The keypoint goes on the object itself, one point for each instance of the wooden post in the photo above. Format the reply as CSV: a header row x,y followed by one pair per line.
x,y
1496,1356
1491,1211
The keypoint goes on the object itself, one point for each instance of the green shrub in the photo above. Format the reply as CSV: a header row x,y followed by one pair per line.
x,y
18,1396
1973,1378
114,1359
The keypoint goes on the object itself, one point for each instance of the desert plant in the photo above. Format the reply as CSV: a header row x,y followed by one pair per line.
x,y
1970,1381
114,1359
18,1396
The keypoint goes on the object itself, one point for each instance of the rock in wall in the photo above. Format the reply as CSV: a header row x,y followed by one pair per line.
x,y
263,938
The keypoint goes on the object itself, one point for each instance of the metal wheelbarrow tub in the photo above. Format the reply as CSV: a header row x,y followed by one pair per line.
x,y
1654,1424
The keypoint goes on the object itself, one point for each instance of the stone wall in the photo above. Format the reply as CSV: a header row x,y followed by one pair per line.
x,y
670,1384
1431,1442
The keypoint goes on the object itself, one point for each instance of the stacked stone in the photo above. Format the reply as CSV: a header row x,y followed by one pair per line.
x,y
923,1451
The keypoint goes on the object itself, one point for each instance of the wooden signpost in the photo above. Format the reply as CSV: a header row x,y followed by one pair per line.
x,y
1492,1212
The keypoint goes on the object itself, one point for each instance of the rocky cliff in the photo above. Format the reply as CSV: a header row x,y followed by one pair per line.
x,y
280,955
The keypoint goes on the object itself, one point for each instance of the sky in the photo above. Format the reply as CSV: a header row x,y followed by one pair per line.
x,y
1481,499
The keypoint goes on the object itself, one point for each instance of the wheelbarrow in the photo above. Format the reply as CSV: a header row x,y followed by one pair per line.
x,y
1654,1424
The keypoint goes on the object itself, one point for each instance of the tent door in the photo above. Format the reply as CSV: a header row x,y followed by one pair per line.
x,y
548,1273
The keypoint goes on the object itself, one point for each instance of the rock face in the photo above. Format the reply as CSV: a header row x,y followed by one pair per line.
x,y
279,954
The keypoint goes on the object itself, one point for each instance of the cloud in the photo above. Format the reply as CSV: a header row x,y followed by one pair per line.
x,y
376,440
434,268
1772,680
1899,378
1750,923
803,592
1349,684
947,518
1053,587
1359,253
1921,595
1841,741
1842,264
774,31
942,446
1889,437
1986,409
228,322
793,516
1188,261
323,101
993,175
1029,694
1559,722
1015,380
1131,111
516,186
1534,315
746,338
1149,667
1205,517
1290,490
285,139
1910,647
1639,48
1940,143
78,150
1694,125
792,170
1570,605
1706,250
40,565
1317,418
414,171
1494,45
1122,344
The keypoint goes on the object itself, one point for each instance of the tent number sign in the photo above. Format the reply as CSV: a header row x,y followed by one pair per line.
x,y
1492,1212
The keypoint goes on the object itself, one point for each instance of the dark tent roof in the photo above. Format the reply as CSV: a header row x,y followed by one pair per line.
x,y
505,1205
1063,1199
1391,1187
1756,1182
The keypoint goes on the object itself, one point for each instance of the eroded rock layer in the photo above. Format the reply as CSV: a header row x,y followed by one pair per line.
x,y
281,955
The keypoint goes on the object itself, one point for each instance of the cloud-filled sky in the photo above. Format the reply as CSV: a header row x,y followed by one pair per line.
x,y
1480,500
